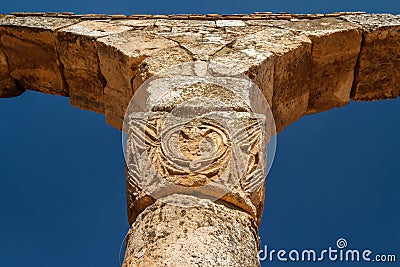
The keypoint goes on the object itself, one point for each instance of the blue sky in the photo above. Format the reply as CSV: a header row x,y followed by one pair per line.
x,y
62,180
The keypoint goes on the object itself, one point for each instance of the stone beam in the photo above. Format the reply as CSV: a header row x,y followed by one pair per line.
x,y
377,74
303,64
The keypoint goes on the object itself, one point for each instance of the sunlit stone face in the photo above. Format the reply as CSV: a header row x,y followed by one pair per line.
x,y
196,131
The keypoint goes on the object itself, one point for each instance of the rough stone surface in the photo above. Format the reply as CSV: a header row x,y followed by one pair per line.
x,y
127,60
335,48
224,111
8,88
208,234
253,59
30,47
184,23
79,56
302,63
378,67
200,41
292,63
296,77
157,173
230,23
276,59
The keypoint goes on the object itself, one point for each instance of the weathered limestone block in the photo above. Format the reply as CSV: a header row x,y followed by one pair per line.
x,y
207,160
292,66
184,23
197,134
254,60
258,45
201,41
208,42
335,48
378,68
257,65
30,46
291,69
135,24
230,23
78,53
8,87
208,234
127,60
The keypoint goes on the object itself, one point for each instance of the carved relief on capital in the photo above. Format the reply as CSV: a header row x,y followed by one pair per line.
x,y
203,139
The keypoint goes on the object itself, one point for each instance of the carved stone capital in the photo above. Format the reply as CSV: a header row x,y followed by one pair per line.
x,y
200,136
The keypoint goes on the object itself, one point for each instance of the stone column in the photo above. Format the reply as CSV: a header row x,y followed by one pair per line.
x,y
210,234
196,167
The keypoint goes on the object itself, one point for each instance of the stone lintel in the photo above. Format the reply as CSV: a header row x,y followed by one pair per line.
x,y
335,48
29,44
43,51
79,56
378,67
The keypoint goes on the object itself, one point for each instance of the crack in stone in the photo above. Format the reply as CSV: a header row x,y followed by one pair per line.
x,y
100,75
60,64
227,45
16,87
10,30
193,56
286,65
357,67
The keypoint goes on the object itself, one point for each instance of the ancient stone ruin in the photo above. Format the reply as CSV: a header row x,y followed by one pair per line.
x,y
302,64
